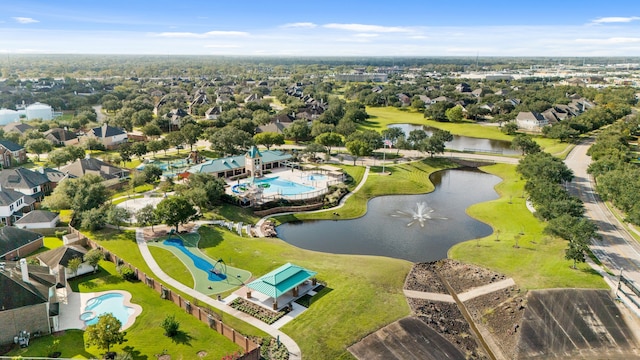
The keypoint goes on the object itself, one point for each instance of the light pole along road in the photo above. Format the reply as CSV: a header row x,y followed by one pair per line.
x,y
617,249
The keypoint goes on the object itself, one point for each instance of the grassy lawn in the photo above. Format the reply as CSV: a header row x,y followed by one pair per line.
x,y
383,116
136,190
124,245
172,265
50,243
145,338
361,297
407,178
539,261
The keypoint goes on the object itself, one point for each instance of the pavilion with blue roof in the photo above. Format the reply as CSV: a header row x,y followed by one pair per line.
x,y
280,281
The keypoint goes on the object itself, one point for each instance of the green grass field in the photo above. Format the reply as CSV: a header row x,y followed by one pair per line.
x,y
194,277
538,261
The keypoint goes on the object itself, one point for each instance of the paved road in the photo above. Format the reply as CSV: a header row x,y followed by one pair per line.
x,y
617,249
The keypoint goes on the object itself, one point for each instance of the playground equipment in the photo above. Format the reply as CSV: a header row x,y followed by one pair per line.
x,y
22,339
219,268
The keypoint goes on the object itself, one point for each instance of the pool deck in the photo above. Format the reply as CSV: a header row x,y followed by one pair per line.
x,y
294,175
72,304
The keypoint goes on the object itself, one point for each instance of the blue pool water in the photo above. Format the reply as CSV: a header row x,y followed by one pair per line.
x,y
316,177
199,262
107,303
275,185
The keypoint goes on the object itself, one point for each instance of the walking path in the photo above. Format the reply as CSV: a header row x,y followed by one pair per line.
x,y
428,296
294,349
486,289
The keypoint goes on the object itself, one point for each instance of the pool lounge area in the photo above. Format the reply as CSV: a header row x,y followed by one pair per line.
x,y
78,310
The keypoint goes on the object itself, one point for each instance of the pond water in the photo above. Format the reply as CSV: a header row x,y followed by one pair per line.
x,y
399,226
465,143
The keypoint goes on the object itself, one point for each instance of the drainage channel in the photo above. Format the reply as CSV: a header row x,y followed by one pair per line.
x,y
467,317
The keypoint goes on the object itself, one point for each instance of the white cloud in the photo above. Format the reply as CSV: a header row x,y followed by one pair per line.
x,y
25,20
418,37
366,35
615,19
305,25
364,28
202,35
610,41
223,46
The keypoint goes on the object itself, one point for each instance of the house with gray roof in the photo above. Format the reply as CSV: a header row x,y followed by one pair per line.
x,y
18,127
60,136
26,181
11,153
38,219
15,243
85,166
253,163
109,136
529,120
13,204
57,260
29,300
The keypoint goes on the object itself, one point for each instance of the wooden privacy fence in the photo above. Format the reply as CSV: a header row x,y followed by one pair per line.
x,y
249,347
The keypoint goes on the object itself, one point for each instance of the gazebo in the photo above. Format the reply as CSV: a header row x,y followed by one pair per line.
x,y
280,281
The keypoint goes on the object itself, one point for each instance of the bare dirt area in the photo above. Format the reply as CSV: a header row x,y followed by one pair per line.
x,y
162,230
500,312
423,277
463,277
447,320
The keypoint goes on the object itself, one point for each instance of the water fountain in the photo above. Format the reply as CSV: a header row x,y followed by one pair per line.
x,y
420,215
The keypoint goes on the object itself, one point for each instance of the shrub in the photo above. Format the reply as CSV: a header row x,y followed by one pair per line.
x,y
170,326
126,273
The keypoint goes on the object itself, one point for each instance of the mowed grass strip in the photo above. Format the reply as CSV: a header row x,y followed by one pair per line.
x,y
538,261
364,292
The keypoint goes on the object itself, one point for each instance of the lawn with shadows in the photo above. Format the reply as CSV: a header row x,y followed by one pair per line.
x,y
145,338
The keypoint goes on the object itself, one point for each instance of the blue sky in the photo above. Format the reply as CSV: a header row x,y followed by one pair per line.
x,y
322,28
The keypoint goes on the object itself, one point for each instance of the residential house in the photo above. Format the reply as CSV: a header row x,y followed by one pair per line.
x,y
57,260
440,99
463,88
60,136
32,305
17,243
252,97
54,176
427,100
275,127
213,112
477,92
11,153
85,166
18,127
38,219
175,117
109,136
404,99
28,182
13,204
531,121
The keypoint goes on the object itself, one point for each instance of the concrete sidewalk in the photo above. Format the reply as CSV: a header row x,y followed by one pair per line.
x,y
292,346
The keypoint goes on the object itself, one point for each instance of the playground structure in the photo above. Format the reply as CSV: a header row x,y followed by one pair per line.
x,y
219,268
22,338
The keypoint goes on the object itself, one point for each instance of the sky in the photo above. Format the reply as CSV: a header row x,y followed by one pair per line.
x,y
322,28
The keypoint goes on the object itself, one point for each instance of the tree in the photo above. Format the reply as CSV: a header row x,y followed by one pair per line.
x,y
393,134
93,257
298,130
170,326
151,130
91,143
154,146
435,144
575,251
139,149
212,186
510,128
58,157
191,132
230,140
74,264
117,215
92,219
105,332
268,139
38,146
125,152
175,138
151,173
175,210
525,143
329,140
438,110
416,137
358,148
147,216
454,114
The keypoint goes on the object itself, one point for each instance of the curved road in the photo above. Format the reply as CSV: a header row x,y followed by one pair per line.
x,y
617,249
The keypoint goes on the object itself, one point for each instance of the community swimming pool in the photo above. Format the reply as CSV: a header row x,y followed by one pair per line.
x,y
276,185
107,303
212,273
